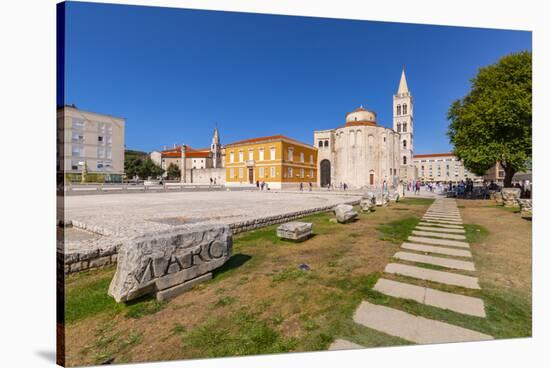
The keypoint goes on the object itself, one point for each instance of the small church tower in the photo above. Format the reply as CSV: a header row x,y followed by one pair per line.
x,y
216,149
403,120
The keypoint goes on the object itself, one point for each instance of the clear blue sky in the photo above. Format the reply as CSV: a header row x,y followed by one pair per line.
x,y
175,73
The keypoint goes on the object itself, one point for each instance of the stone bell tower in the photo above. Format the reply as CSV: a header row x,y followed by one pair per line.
x,y
215,149
403,124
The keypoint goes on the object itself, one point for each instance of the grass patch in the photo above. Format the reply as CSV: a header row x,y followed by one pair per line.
x,y
240,333
143,307
397,231
513,209
475,233
224,301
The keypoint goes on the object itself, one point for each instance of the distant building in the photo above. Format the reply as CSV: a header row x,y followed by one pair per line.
x,y
156,157
92,139
279,161
362,153
442,167
199,164
495,173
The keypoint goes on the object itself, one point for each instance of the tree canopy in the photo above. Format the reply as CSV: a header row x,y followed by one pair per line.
x,y
140,164
173,171
492,123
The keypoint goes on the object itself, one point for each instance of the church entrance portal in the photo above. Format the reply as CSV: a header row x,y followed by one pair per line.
x,y
325,173
371,178
250,175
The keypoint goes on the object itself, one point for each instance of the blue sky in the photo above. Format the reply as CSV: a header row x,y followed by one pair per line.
x,y
174,73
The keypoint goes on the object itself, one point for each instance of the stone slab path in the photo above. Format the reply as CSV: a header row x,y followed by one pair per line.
x,y
433,241
458,303
439,234
442,277
438,240
441,230
437,261
341,344
438,250
412,328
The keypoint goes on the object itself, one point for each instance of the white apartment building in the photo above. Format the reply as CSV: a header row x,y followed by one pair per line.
x,y
442,167
91,138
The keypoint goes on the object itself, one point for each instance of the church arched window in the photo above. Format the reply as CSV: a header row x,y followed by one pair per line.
x,y
404,143
404,127
398,127
320,144
326,143
404,160
405,109
398,110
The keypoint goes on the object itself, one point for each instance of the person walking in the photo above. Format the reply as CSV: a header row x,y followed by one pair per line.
x,y
301,187
310,186
417,188
258,184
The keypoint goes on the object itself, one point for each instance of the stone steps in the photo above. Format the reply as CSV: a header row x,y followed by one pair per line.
x,y
436,249
436,234
413,328
437,261
435,298
432,241
446,226
341,344
441,230
442,277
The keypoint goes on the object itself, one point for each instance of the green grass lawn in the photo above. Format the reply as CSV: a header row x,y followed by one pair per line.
x,y
260,301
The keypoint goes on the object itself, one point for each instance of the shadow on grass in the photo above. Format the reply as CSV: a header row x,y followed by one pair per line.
x,y
236,261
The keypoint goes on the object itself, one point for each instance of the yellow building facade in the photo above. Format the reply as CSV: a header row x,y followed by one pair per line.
x,y
279,161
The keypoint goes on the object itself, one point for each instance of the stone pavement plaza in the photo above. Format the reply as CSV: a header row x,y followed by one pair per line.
x,y
125,215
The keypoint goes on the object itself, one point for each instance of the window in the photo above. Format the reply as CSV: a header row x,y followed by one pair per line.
x,y
77,151
404,143
100,138
404,109
261,158
272,173
231,173
78,137
100,165
272,153
78,123
100,152
240,172
404,160
326,143
251,155
311,173
290,172
302,173
320,144
404,127
74,164
302,159
241,156
231,158
398,127
262,172
310,159
290,154
398,110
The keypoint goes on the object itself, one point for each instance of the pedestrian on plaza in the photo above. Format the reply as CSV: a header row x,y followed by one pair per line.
x,y
211,181
301,187
214,181
258,184
417,188
310,186
262,184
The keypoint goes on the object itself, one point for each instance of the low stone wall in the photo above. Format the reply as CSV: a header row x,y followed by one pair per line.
x,y
102,257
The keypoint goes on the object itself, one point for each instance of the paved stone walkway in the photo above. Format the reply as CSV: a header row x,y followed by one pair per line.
x,y
438,240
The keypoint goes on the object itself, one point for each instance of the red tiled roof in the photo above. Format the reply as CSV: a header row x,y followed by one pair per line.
x,y
267,138
359,123
433,155
189,152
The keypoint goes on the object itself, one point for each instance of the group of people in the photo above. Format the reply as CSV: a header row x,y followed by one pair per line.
x,y
213,181
302,186
414,186
261,185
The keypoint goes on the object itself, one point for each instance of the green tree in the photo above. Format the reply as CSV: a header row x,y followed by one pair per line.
x,y
173,171
493,121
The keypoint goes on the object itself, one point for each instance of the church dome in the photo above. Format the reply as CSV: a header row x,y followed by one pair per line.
x,y
361,115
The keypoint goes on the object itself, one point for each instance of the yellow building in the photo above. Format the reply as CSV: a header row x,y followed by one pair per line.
x,y
279,161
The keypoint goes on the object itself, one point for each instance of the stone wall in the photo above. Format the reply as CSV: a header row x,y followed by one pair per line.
x,y
202,176
84,260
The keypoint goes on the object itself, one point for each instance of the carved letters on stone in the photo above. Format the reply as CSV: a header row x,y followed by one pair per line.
x,y
156,262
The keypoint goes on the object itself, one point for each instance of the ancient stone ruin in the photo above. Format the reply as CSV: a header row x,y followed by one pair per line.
x,y
368,202
295,230
170,262
526,208
510,197
345,213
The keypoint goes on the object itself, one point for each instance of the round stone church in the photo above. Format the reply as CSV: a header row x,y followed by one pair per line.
x,y
362,153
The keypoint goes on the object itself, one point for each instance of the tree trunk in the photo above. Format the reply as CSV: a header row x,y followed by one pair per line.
x,y
508,175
